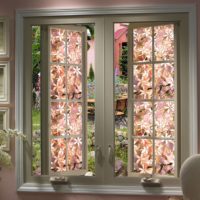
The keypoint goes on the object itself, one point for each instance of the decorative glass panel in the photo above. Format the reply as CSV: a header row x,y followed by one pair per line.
x,y
152,99
58,155
67,100
74,47
142,81
164,157
74,118
58,118
58,82
143,119
164,81
58,47
142,47
143,156
74,82
164,119
74,153
164,42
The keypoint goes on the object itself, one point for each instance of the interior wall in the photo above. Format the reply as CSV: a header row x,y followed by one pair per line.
x,y
8,8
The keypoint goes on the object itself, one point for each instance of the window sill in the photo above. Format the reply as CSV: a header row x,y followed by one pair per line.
x,y
100,189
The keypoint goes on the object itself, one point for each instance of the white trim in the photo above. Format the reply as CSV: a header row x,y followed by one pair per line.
x,y
101,189
21,14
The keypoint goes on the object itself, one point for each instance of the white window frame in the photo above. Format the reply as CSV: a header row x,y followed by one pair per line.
x,y
105,189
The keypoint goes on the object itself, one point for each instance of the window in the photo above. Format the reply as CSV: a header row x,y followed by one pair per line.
x,y
106,103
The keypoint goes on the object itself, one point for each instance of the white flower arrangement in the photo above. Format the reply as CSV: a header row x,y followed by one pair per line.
x,y
5,157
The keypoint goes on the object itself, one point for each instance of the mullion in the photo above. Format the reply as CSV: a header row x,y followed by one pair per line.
x,y
153,62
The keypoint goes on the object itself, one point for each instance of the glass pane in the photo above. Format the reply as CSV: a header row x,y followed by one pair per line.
x,y
142,81
74,118
36,94
143,119
58,118
74,154
74,82
57,45
58,82
74,47
2,37
165,119
164,157
142,47
143,156
58,155
164,42
121,97
2,83
164,81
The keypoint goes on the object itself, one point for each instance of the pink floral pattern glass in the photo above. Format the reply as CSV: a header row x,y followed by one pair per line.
x,y
164,157
66,100
74,118
57,44
74,153
58,155
154,113
143,156
165,119
164,81
58,118
74,47
74,82
164,42
142,39
58,82
142,81
143,119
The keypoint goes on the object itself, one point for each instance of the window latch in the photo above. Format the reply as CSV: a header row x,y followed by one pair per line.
x,y
110,153
150,181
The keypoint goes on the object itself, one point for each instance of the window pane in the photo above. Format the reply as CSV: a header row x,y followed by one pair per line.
x,y
74,47
164,119
58,82
143,119
143,156
142,81
164,157
36,104
121,97
164,42
142,39
57,45
58,155
164,81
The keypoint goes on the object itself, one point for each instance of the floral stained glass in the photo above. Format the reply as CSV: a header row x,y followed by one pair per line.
x,y
154,127
143,156
164,42
74,82
142,39
74,47
143,119
74,153
165,119
74,118
164,157
142,81
57,43
58,82
164,81
66,100
58,118
58,155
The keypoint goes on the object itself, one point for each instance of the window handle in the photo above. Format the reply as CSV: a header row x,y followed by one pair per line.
x,y
110,153
98,153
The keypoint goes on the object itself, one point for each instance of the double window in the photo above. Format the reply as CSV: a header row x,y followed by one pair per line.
x,y
106,100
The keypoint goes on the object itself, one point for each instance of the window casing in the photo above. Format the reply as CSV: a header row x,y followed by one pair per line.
x,y
104,99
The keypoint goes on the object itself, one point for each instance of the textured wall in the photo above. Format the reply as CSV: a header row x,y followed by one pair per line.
x,y
7,8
